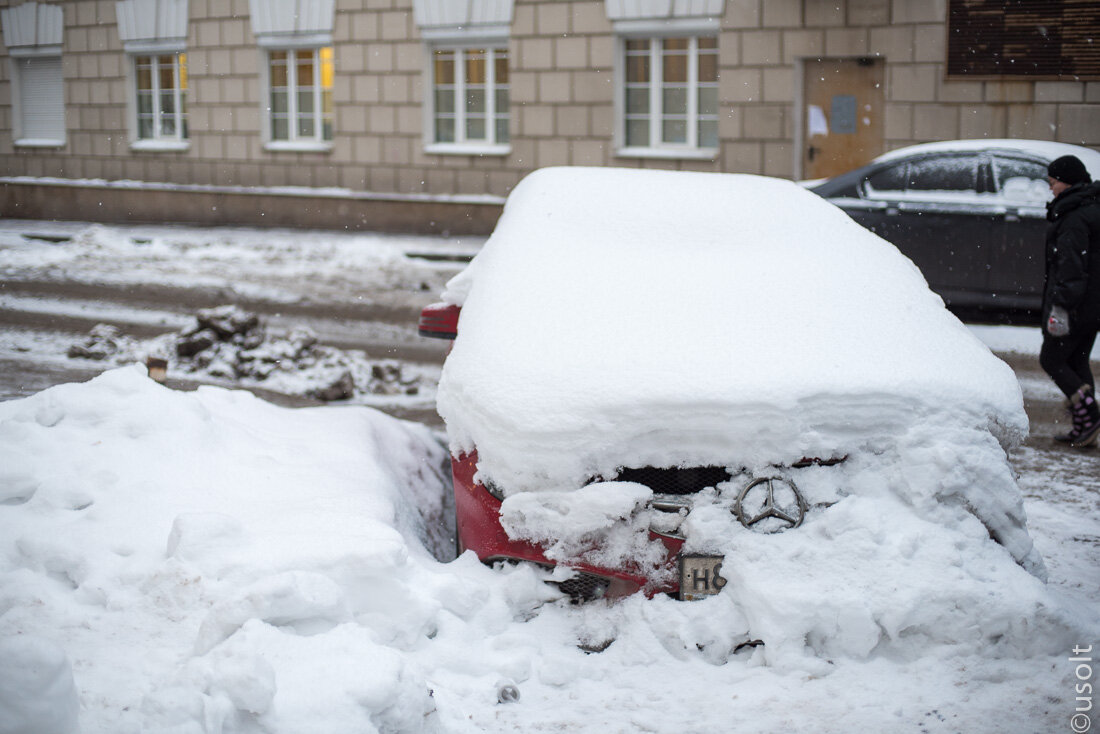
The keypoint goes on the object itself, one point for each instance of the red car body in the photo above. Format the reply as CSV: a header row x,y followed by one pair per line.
x,y
477,516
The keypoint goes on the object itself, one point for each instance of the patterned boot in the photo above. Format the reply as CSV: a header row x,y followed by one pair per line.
x,y
1075,427
1086,418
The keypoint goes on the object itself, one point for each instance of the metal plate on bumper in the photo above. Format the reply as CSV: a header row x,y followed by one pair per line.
x,y
700,576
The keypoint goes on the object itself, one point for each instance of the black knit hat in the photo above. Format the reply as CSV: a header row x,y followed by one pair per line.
x,y
1068,169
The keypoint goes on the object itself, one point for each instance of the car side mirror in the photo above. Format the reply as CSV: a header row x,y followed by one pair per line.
x,y
440,321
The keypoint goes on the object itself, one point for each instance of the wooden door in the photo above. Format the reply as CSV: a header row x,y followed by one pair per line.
x,y
842,125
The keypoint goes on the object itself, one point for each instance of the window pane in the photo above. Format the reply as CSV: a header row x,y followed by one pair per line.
x,y
501,69
502,101
444,67
167,102
475,128
708,67
444,130
278,70
637,68
145,128
444,101
167,80
326,103
674,131
637,44
502,130
305,102
675,67
707,42
168,126
944,174
637,132
675,44
183,71
328,69
475,100
305,127
326,130
708,101
637,100
305,76
475,67
889,179
144,76
145,103
708,133
279,129
675,100
279,102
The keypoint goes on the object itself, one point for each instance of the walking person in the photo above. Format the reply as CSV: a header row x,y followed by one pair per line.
x,y
1071,294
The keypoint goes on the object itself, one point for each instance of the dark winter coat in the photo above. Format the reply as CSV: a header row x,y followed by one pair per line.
x,y
1073,254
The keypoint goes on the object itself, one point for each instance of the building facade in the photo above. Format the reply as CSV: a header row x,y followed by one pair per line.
x,y
421,115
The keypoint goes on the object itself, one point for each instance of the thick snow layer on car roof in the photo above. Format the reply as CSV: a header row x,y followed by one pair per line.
x,y
636,318
620,317
1045,149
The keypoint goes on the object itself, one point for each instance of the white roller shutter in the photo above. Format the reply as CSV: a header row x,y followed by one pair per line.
x,y
41,99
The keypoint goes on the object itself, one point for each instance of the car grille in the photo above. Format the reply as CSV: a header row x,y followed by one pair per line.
x,y
584,586
676,480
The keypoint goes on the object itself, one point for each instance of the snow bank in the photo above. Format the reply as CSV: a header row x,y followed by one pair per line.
x,y
205,558
206,562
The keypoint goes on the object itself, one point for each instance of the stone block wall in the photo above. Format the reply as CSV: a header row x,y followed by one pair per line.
x,y
562,61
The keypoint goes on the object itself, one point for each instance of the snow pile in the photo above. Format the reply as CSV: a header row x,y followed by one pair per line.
x,y
206,562
230,344
203,563
604,523
37,693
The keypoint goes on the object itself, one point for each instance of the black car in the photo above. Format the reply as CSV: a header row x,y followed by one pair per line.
x,y
971,214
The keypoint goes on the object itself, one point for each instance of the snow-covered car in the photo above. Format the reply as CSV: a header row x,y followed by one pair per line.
x,y
650,368
970,213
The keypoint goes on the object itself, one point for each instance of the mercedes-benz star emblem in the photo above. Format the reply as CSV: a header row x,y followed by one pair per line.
x,y
770,505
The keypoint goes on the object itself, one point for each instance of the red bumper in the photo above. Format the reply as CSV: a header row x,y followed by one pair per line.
x,y
478,526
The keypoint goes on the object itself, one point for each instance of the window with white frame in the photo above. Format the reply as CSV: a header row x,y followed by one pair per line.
x,y
160,95
298,72
470,96
301,95
33,36
670,94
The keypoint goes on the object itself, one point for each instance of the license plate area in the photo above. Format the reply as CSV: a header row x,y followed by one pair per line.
x,y
700,576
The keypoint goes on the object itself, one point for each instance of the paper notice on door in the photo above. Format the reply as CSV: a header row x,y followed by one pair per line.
x,y
815,121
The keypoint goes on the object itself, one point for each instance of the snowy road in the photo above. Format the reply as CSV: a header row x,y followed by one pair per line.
x,y
355,293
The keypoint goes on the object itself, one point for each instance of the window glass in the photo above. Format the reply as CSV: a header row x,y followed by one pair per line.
x,y
1021,180
953,173
888,179
470,95
161,96
301,84
680,107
